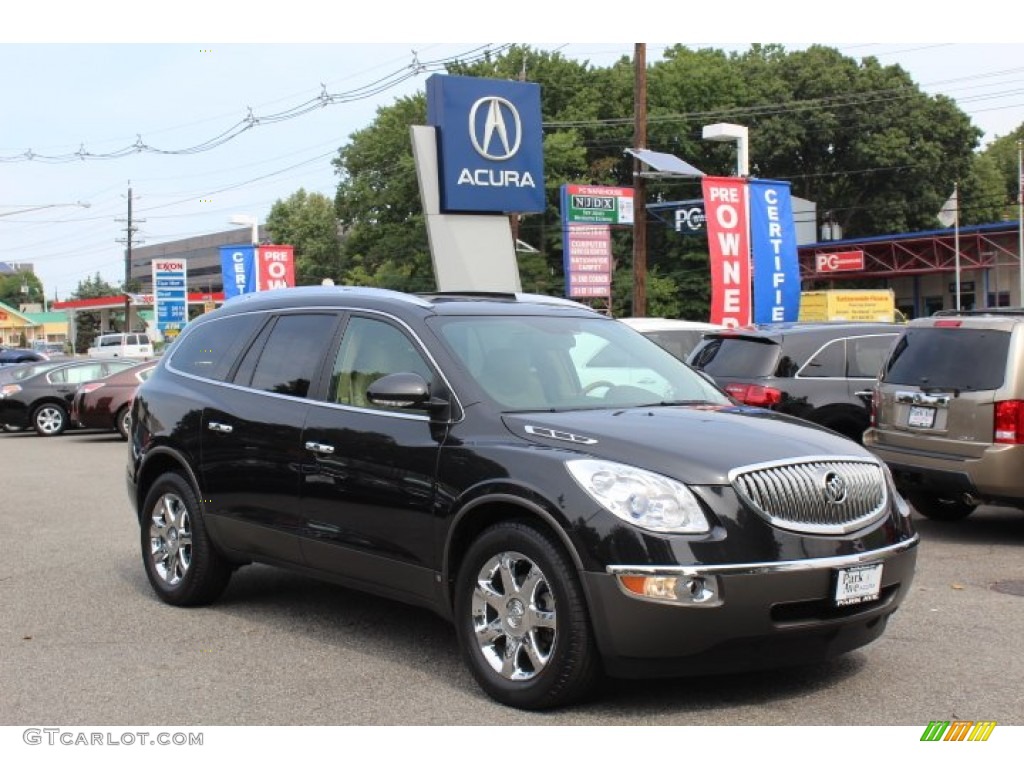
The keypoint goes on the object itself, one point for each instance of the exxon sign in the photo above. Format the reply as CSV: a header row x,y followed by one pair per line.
x,y
490,144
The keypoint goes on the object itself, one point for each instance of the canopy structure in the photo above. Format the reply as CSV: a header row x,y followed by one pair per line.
x,y
664,165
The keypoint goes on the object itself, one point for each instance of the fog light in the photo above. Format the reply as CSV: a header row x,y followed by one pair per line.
x,y
657,587
685,590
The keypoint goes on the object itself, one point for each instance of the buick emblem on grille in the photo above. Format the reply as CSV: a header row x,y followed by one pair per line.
x,y
835,488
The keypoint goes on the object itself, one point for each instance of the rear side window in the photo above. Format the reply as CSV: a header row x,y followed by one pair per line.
x,y
289,361
209,350
735,356
829,362
949,358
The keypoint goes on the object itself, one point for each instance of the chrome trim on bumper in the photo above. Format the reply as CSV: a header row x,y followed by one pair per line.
x,y
747,569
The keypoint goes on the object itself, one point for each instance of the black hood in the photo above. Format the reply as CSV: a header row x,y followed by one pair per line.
x,y
697,445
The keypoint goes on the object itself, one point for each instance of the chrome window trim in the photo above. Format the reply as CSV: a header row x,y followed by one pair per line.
x,y
844,339
456,402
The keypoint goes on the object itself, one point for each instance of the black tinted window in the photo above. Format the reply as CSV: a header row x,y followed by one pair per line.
x,y
866,354
209,350
828,362
292,355
734,356
949,358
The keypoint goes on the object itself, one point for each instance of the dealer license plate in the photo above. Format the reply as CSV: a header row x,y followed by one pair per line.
x,y
921,416
859,584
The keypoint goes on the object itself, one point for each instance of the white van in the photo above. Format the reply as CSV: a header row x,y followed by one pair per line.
x,y
129,345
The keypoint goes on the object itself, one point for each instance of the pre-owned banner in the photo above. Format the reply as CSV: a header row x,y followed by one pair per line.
x,y
725,204
275,267
774,254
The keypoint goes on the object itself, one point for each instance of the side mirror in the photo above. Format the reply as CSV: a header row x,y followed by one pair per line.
x,y
402,390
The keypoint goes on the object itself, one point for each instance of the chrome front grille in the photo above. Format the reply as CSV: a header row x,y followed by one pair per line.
x,y
814,495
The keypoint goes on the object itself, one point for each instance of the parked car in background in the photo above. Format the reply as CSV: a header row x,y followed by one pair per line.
x,y
601,364
106,403
42,398
821,372
131,345
18,371
17,356
949,412
447,451
676,336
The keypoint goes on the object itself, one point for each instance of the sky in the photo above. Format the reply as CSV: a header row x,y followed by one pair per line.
x,y
83,82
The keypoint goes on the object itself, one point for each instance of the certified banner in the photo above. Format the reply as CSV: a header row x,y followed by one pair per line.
x,y
773,245
238,266
725,203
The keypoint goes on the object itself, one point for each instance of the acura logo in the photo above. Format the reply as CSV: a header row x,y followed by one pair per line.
x,y
835,488
491,137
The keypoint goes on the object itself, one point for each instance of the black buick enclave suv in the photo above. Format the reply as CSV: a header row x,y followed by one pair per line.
x,y
450,451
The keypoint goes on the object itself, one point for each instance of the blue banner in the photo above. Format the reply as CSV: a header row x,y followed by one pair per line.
x,y
490,144
773,252
238,266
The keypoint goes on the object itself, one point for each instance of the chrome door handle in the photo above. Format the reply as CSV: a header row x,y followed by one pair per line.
x,y
216,426
321,448
864,393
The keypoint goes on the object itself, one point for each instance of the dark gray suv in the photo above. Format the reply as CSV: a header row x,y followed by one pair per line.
x,y
454,452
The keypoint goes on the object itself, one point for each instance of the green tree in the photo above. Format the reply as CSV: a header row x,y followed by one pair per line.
x,y
307,222
20,288
858,138
87,324
1005,158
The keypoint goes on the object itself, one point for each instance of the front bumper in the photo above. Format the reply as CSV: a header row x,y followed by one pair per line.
x,y
753,615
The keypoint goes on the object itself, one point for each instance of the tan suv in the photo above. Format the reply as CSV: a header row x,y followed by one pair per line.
x,y
948,412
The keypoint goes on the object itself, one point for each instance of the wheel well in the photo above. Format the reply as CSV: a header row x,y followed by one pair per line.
x,y
156,466
468,527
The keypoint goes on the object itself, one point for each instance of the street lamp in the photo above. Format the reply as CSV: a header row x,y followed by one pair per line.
x,y
30,208
249,221
730,132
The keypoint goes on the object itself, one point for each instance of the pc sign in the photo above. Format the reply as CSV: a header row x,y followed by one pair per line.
x,y
582,204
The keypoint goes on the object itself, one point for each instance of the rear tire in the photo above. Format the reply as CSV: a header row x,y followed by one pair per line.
x,y
522,620
123,422
935,507
180,561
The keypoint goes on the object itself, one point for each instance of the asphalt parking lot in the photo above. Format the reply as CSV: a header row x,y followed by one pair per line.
x,y
84,640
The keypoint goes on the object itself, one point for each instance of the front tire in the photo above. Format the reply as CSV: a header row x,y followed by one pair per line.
x,y
522,621
181,563
49,419
938,508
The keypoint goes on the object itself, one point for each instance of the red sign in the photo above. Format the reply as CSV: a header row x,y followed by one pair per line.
x,y
725,204
275,267
589,260
843,261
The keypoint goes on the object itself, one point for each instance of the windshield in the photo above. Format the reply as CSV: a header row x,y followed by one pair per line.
x,y
556,363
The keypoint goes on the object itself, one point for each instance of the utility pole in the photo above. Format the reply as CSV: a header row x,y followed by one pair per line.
x,y
128,240
639,184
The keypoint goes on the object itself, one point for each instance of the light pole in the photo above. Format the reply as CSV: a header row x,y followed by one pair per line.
x,y
731,132
251,221
30,208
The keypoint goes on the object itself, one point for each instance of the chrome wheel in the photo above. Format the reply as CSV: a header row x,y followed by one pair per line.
x,y
513,612
170,539
49,420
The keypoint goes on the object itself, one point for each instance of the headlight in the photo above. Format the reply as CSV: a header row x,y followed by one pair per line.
x,y
9,389
645,499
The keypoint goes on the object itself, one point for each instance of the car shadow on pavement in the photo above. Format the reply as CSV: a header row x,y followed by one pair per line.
x,y
420,640
988,525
